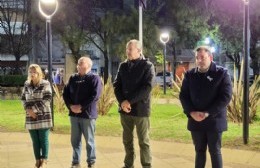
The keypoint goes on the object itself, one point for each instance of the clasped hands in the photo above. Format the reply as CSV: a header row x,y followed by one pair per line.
x,y
198,115
31,113
76,108
126,106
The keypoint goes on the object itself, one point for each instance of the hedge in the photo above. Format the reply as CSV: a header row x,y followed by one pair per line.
x,y
12,80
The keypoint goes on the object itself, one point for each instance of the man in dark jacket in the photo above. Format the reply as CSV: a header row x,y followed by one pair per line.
x,y
206,91
132,86
81,95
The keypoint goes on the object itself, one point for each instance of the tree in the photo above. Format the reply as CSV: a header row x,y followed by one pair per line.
x,y
255,36
106,25
14,22
71,24
85,22
226,13
159,57
104,28
190,20
114,28
128,29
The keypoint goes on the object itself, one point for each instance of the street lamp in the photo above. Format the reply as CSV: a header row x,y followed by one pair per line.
x,y
164,38
246,71
207,40
210,43
212,49
48,8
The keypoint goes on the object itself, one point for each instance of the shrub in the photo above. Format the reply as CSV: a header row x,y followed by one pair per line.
x,y
107,98
12,80
156,92
235,106
58,102
177,85
10,92
254,98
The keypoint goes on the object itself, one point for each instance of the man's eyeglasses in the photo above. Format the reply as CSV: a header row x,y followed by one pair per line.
x,y
202,58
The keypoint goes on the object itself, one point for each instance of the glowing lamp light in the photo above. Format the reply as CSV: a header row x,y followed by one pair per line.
x,y
48,8
164,37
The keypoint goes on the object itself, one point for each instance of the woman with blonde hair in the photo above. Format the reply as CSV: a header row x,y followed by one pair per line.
x,y
36,98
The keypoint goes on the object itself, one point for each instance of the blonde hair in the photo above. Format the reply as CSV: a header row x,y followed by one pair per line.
x,y
38,70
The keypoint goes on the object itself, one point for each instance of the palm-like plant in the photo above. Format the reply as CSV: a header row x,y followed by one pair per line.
x,y
107,98
58,102
234,108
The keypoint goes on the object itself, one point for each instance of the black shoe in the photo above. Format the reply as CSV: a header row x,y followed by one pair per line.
x,y
91,165
75,165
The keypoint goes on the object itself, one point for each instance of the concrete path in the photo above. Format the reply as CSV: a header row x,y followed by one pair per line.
x,y
16,152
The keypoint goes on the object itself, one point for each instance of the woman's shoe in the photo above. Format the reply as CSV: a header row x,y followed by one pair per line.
x,y
43,163
37,164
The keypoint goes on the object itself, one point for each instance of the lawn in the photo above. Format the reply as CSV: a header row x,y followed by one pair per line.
x,y
168,123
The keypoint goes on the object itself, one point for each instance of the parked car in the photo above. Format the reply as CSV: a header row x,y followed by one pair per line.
x,y
169,79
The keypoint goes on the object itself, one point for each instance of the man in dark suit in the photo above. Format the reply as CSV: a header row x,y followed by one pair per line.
x,y
206,91
132,86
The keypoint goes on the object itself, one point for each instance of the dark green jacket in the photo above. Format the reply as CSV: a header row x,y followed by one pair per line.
x,y
134,83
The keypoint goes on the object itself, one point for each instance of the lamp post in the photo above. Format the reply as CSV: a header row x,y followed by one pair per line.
x,y
246,71
164,38
174,60
48,8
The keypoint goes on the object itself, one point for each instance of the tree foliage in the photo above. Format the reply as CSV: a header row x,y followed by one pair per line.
x,y
220,20
255,36
71,23
191,22
230,16
110,28
14,22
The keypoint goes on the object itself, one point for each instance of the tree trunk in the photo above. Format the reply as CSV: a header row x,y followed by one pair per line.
x,y
237,62
106,66
74,51
17,70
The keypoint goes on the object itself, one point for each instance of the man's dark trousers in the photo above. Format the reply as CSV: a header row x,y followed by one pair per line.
x,y
201,140
142,124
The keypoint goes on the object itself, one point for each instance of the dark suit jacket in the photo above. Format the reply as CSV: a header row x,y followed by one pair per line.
x,y
134,82
210,92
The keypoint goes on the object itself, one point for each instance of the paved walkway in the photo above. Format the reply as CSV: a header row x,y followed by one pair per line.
x,y
16,152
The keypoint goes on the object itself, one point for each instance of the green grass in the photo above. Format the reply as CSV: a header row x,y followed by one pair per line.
x,y
169,93
168,123
11,115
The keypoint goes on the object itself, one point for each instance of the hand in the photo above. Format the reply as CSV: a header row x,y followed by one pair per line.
x,y
31,113
198,115
76,108
126,106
